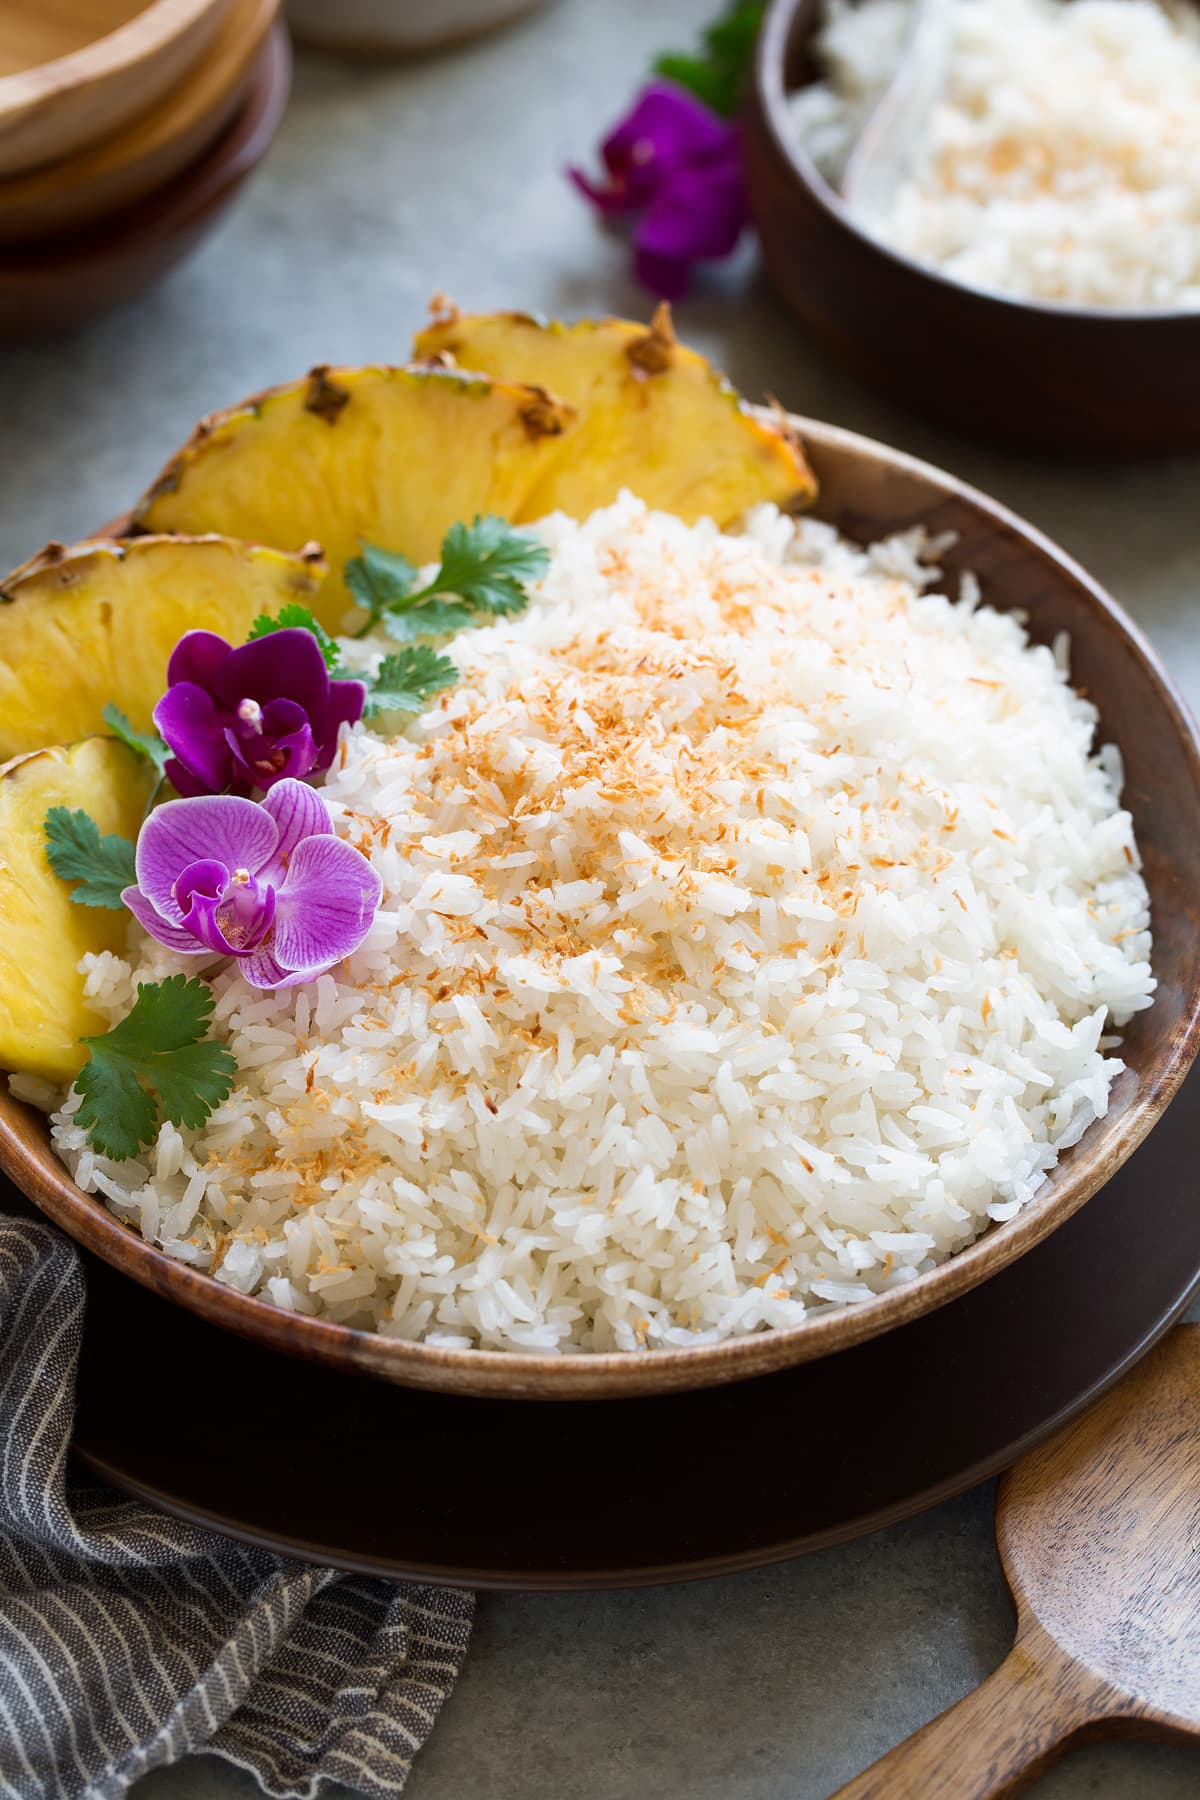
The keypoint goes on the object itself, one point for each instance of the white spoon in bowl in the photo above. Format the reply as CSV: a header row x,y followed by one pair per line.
x,y
884,153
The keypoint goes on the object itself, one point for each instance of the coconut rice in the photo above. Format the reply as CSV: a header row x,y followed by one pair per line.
x,y
1062,161
754,924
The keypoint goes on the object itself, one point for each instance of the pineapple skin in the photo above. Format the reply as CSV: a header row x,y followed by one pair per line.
x,y
96,623
43,933
656,417
389,455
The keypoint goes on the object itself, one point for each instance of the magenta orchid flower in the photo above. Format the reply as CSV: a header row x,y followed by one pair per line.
x,y
268,882
247,718
674,161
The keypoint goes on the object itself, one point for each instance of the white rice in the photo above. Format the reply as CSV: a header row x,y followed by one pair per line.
x,y
752,926
1063,160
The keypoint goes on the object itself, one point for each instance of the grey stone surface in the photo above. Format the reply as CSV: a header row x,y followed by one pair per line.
x,y
388,182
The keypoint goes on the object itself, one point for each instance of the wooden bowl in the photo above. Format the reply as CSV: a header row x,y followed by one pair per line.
x,y
868,492
59,285
101,179
1045,376
72,72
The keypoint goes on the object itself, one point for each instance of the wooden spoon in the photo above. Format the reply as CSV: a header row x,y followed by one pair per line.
x,y
1099,1535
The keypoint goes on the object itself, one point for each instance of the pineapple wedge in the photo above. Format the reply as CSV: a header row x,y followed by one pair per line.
x,y
391,455
43,933
655,416
98,622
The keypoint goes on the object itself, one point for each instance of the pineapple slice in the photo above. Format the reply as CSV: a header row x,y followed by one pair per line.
x,y
43,933
391,455
98,622
655,416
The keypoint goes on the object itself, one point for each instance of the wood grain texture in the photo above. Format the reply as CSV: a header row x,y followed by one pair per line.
x,y
1093,380
103,178
867,491
121,60
1099,1536
57,286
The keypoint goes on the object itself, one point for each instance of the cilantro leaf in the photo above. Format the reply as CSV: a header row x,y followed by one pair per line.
x,y
436,618
487,563
142,743
76,852
379,579
484,568
408,679
159,1049
717,73
295,617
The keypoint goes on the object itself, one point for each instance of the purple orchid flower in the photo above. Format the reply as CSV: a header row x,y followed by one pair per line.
x,y
247,718
269,883
672,159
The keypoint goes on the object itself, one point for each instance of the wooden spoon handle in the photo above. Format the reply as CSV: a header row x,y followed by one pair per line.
x,y
996,1740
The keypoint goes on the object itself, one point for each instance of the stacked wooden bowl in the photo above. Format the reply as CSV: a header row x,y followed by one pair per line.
x,y
125,127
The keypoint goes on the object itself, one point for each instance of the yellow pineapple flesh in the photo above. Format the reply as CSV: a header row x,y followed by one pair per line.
x,y
98,622
43,933
655,417
388,455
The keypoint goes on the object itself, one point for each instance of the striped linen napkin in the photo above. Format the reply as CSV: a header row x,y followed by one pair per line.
x,y
128,1639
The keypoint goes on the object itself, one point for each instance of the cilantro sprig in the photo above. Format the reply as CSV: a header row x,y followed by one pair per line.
x,y
294,617
157,1063
484,568
146,744
407,680
101,866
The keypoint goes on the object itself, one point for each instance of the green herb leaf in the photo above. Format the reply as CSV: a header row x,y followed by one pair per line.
x,y
142,743
487,563
436,618
484,568
379,579
408,680
295,617
718,72
101,865
157,1059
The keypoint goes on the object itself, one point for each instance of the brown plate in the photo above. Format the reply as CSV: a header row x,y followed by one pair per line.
x,y
340,1469
1092,379
868,492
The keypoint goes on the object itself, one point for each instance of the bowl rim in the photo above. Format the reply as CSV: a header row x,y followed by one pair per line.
x,y
489,1373
773,95
205,93
115,52
204,184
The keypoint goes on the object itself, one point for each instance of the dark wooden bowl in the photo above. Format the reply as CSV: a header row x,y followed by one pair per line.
x,y
1042,376
61,283
868,492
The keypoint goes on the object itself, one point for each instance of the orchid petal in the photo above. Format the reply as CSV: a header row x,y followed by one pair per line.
x,y
267,758
186,718
196,658
299,813
189,786
669,122
284,665
697,212
326,904
261,970
346,702
184,943
213,827
619,196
